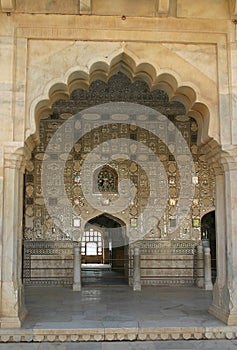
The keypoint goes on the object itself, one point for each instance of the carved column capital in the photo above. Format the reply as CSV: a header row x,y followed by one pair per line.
x,y
220,159
14,156
212,153
229,158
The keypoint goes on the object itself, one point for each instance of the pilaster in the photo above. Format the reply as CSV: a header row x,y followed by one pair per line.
x,y
12,300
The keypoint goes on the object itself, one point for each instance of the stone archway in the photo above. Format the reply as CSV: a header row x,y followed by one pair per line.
x,y
119,86
165,81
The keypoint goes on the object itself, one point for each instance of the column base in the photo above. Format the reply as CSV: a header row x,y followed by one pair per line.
x,y
224,316
208,286
13,322
13,310
10,322
137,288
76,287
200,282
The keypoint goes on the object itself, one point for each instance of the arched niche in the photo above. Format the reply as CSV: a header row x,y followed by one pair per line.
x,y
105,180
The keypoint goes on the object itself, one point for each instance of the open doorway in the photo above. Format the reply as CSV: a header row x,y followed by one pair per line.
x,y
104,252
92,246
209,232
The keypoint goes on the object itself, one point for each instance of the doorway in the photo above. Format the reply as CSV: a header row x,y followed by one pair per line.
x,y
209,232
104,252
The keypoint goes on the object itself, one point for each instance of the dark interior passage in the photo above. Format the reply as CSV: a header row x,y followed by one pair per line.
x,y
105,262
209,232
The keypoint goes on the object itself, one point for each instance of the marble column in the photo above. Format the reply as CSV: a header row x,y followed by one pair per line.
x,y
224,304
20,241
200,266
12,300
207,269
136,270
221,257
77,269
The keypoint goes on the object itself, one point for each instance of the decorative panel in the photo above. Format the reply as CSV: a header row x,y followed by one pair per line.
x,y
48,263
167,262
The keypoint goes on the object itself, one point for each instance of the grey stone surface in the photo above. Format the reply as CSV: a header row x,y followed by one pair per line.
x,y
119,308
137,345
97,307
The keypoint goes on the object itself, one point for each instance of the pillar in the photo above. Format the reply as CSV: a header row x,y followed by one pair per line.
x,y
20,242
200,266
224,304
136,270
220,283
207,268
13,310
77,269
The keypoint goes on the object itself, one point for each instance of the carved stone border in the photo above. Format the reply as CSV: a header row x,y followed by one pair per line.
x,y
117,334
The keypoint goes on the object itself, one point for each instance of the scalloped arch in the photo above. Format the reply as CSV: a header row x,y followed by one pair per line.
x,y
169,82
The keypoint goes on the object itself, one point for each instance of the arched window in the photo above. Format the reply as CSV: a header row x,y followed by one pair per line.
x,y
92,242
106,180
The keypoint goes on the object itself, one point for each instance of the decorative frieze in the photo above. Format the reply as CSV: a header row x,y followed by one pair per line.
x,y
118,334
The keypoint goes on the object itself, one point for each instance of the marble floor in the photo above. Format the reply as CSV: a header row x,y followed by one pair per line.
x,y
114,309
118,306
